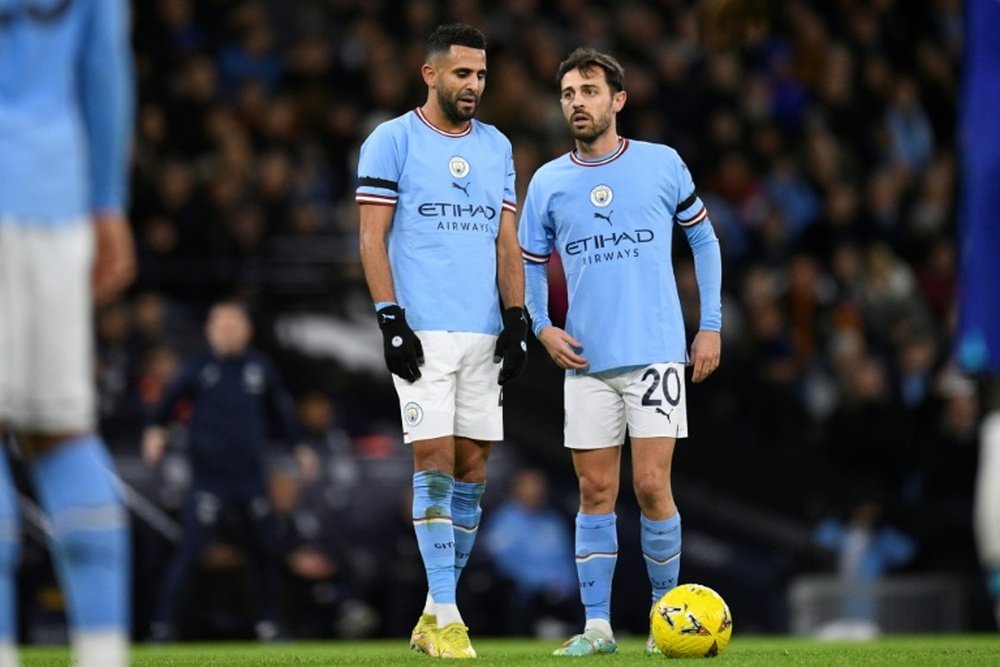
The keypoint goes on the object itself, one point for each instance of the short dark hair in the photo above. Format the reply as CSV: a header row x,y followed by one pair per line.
x,y
586,59
454,34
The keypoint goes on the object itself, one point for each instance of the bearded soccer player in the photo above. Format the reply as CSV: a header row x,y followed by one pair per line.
x,y
609,207
66,107
440,255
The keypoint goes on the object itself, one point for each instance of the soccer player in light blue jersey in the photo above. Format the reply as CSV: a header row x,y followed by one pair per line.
x,y
66,98
609,208
440,254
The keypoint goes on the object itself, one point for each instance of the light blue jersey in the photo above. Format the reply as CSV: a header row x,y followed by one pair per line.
x,y
448,190
611,221
66,98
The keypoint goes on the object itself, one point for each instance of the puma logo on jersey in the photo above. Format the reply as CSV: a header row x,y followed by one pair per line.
x,y
463,188
604,217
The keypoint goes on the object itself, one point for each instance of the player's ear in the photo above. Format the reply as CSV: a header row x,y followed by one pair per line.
x,y
429,73
618,101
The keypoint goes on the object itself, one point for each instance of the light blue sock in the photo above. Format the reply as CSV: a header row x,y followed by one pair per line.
x,y
596,556
432,494
10,531
661,548
465,515
90,542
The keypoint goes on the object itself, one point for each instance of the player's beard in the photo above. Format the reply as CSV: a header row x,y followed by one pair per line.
x,y
449,106
592,132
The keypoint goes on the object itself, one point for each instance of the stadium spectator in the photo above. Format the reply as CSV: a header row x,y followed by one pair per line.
x,y
66,117
866,546
316,583
234,394
530,545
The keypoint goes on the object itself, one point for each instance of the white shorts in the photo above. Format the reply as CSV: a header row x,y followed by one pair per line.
x,y
651,400
46,331
457,393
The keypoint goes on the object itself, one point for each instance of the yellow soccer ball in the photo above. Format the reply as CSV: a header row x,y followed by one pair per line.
x,y
691,621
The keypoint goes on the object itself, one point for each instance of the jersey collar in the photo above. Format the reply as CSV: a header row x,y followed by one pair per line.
x,y
610,157
454,135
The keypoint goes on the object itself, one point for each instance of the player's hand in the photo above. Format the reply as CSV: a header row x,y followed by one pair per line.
x,y
705,353
404,355
154,441
512,344
562,348
114,256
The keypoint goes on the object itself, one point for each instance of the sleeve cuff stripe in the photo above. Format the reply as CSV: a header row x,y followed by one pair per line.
x,y
375,199
702,214
535,259
510,206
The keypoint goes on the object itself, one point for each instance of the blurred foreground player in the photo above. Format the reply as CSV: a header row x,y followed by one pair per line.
x,y
66,107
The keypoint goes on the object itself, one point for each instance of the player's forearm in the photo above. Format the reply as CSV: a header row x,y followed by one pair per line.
x,y
510,268
536,292
375,262
108,97
708,271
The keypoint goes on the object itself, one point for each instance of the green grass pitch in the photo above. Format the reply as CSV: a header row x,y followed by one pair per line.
x,y
932,651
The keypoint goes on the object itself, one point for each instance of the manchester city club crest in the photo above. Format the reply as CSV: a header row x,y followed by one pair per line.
x,y
602,195
459,166
413,413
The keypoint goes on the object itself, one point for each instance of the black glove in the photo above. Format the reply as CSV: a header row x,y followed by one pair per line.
x,y
512,345
403,352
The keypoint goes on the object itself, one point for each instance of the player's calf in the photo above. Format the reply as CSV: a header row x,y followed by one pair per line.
x,y
91,547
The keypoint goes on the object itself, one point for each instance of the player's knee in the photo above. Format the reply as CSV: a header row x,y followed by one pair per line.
x,y
597,491
441,461
472,472
652,492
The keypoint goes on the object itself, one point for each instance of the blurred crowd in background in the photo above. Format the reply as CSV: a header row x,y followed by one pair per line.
x,y
821,136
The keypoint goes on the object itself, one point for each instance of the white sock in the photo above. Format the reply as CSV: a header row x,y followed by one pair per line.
x,y
8,655
429,604
447,613
599,624
108,648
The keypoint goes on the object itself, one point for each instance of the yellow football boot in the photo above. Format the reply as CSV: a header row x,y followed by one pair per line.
x,y
453,642
423,637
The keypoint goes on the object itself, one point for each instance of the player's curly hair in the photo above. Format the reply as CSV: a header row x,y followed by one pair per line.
x,y
454,34
586,59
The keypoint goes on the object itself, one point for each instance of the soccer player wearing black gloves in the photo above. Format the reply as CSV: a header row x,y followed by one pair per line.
x,y
404,355
440,254
512,344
